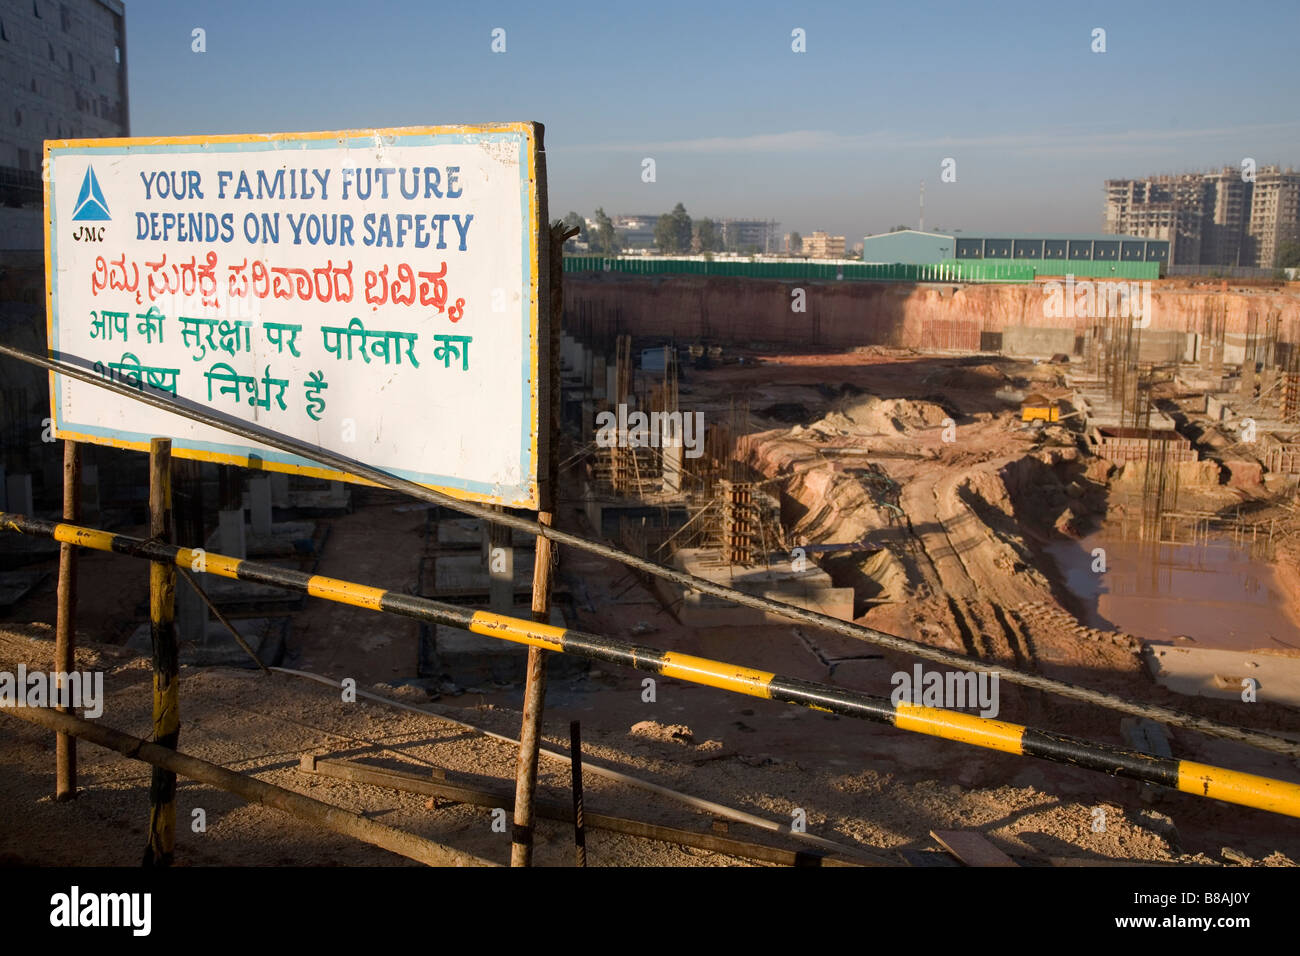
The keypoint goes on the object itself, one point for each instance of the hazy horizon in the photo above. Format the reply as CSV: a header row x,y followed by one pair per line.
x,y
836,138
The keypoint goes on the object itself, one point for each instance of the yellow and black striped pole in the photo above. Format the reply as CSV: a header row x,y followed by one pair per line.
x,y
1218,783
166,678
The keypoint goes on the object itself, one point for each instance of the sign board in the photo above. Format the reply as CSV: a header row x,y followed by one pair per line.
x,y
375,293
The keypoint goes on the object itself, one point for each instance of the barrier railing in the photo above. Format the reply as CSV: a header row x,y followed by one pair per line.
x,y
1217,783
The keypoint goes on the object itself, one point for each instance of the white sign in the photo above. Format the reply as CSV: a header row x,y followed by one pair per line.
x,y
374,293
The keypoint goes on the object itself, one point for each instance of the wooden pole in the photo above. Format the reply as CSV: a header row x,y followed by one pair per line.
x,y
166,689
521,849
65,627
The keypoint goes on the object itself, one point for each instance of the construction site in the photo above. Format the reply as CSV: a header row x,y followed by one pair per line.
x,y
1095,516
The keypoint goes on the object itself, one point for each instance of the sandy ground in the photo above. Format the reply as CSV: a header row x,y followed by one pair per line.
x,y
855,787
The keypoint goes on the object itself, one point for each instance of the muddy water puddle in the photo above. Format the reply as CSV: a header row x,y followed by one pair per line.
x,y
1213,592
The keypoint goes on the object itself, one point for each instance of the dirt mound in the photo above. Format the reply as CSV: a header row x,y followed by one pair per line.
x,y
1191,474
992,490
886,416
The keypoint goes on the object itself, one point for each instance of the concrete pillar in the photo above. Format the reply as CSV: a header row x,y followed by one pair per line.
x,y
501,569
588,432
279,489
595,512
90,505
259,505
230,533
673,466
18,492
191,613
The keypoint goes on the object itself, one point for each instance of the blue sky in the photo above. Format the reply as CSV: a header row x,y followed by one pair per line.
x,y
837,138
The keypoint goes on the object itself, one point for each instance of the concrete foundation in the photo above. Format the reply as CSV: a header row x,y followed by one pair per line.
x,y
217,648
471,660
467,533
230,539
1028,341
259,505
466,575
811,589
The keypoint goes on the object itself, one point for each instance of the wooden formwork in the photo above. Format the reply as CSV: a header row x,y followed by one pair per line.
x,y
1283,459
1122,445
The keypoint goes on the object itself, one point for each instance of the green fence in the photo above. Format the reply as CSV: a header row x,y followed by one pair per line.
x,y
953,271
950,270
1080,268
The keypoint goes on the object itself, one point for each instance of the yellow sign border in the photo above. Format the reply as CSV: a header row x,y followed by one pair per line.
x,y
527,129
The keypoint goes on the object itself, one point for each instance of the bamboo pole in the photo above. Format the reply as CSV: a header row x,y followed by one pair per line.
x,y
65,627
530,732
166,689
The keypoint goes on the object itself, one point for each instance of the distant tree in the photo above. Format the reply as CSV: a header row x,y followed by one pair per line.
x,y
1288,255
673,232
605,240
573,220
796,243
707,236
682,228
666,235
899,228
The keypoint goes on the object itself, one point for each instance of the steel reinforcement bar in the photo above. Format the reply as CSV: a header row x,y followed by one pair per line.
x,y
861,632
1218,783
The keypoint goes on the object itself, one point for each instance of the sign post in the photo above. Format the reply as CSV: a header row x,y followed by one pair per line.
x,y
65,621
379,294
374,293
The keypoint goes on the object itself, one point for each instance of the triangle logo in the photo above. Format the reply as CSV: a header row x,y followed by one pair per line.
x,y
91,205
